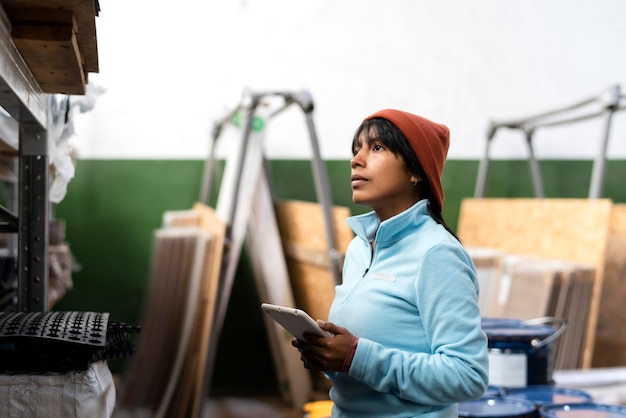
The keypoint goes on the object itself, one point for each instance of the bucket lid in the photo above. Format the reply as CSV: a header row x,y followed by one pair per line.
x,y
546,394
496,408
519,332
499,322
586,410
493,392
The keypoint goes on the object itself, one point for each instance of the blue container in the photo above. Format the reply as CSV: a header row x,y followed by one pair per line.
x,y
520,353
500,322
496,408
493,392
543,394
582,410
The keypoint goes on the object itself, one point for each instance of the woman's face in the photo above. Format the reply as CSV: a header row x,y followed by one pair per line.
x,y
380,179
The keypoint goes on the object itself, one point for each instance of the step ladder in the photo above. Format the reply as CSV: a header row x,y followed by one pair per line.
x,y
246,202
603,106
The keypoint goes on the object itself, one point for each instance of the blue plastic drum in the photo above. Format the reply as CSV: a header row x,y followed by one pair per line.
x,y
497,408
544,394
582,410
520,354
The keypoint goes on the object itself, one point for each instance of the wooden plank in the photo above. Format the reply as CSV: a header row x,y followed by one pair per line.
x,y
52,54
273,286
85,12
610,346
185,323
181,218
19,90
214,225
566,229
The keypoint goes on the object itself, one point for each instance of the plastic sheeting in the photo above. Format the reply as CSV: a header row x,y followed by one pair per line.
x,y
87,394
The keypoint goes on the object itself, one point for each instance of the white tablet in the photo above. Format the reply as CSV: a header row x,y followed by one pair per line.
x,y
296,321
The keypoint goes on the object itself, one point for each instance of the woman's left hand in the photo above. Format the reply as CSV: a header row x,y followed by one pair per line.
x,y
327,353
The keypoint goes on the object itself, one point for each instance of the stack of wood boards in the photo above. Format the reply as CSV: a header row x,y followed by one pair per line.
x,y
574,230
168,371
488,263
530,287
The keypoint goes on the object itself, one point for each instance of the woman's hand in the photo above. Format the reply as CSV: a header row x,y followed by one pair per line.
x,y
330,354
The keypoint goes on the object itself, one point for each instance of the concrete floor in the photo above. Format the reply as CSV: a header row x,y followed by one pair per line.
x,y
230,406
248,407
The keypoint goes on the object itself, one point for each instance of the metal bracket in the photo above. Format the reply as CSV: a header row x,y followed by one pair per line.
x,y
33,220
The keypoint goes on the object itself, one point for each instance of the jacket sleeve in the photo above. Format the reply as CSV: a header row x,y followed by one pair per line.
x,y
456,368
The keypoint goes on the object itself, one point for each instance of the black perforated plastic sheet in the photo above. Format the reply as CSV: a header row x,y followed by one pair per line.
x,y
76,327
61,341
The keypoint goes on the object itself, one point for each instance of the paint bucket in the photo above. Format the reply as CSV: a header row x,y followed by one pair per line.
x,y
496,408
543,394
318,409
521,352
582,410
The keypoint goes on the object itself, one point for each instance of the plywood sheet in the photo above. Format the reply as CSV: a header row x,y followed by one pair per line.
x,y
565,229
303,233
568,229
610,346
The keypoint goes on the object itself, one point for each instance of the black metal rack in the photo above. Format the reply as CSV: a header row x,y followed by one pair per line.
x,y
23,99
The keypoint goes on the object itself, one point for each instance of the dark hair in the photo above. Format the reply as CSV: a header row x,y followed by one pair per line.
x,y
393,139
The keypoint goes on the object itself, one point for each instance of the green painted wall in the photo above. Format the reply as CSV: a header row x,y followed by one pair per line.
x,y
113,207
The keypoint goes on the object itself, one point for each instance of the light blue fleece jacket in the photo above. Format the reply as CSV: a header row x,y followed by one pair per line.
x,y
413,304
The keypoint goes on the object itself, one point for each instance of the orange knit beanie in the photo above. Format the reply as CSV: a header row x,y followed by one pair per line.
x,y
429,141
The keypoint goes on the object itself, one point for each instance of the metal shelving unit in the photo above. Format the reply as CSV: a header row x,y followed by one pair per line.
x,y
22,97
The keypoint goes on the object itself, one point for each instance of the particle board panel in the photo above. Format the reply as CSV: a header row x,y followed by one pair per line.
x,y
303,233
565,229
610,347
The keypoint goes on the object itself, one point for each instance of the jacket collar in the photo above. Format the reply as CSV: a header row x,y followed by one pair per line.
x,y
367,226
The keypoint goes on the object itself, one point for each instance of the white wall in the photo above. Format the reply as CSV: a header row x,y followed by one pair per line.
x,y
172,68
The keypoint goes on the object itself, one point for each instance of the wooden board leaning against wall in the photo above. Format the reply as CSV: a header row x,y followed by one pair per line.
x,y
306,248
610,343
303,234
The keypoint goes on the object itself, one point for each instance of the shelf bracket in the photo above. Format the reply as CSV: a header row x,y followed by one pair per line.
x,y
33,219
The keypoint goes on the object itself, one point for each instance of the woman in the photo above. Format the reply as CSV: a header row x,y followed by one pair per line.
x,y
407,336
